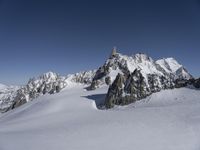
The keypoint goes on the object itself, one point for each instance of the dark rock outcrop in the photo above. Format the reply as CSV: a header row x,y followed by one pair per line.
x,y
135,86
124,90
115,92
184,82
108,80
197,83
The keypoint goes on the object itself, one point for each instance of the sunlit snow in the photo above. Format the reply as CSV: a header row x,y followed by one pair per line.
x,y
168,120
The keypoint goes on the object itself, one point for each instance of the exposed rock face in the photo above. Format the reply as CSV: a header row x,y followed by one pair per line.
x,y
124,90
99,77
47,83
17,104
7,95
114,52
184,82
197,83
135,86
115,92
108,80
84,77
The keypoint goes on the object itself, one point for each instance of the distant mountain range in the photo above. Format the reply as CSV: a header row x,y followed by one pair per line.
x,y
129,78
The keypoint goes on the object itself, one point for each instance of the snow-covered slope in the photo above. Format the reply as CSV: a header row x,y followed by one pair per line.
x,y
48,83
170,65
168,120
2,86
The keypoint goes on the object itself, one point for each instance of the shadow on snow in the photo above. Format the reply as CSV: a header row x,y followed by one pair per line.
x,y
99,99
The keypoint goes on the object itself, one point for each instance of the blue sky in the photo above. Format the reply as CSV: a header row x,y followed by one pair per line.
x,y
74,35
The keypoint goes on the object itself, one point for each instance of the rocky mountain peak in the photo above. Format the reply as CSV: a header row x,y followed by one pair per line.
x,y
141,57
119,63
49,76
113,53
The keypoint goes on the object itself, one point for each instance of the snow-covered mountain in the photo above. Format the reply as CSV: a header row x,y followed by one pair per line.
x,y
170,65
84,77
137,77
162,72
48,83
118,63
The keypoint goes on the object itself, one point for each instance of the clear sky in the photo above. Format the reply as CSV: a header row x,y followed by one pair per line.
x,y
67,36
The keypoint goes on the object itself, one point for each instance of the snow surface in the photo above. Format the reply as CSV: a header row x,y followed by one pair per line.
x,y
169,64
2,86
141,62
69,120
113,73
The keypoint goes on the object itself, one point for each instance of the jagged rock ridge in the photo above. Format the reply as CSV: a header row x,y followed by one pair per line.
x,y
118,63
7,94
48,83
124,91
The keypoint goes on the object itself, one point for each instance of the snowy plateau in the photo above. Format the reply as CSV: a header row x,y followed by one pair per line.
x,y
61,112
